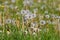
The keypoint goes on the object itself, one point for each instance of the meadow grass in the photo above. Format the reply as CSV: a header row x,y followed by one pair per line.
x,y
17,32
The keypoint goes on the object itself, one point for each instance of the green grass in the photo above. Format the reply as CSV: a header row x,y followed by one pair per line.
x,y
17,34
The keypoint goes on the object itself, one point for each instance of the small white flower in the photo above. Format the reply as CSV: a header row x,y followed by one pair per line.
x,y
53,16
58,17
42,22
47,16
24,12
8,21
13,1
27,16
32,16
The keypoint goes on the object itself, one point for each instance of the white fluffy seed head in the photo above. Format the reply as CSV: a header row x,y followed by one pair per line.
x,y
8,21
47,16
42,22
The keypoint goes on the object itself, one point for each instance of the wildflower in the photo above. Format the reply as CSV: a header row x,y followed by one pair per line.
x,y
42,22
8,21
32,16
58,17
53,16
47,16
24,12
27,16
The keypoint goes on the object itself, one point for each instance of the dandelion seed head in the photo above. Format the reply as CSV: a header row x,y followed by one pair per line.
x,y
8,21
47,16
42,22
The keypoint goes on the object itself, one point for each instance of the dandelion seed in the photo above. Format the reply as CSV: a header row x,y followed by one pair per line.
x,y
8,21
27,16
47,16
53,16
24,12
42,22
